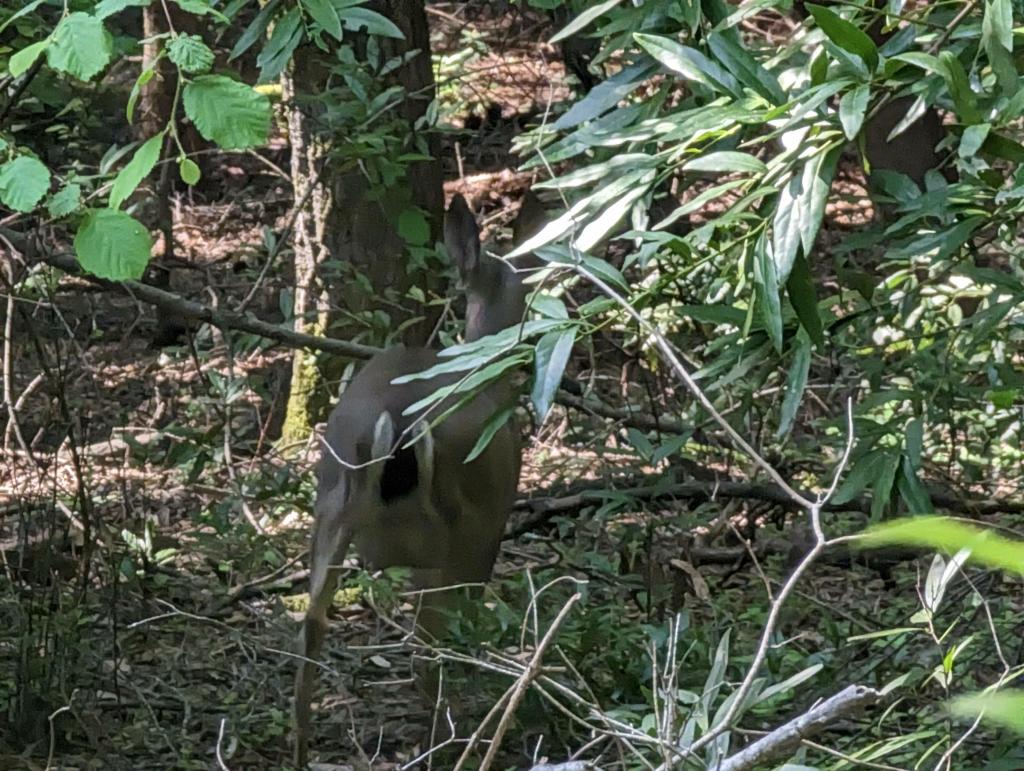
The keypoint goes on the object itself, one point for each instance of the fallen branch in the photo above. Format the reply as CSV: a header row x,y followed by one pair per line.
x,y
786,738
224,319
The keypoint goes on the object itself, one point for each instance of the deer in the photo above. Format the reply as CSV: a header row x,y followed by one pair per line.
x,y
398,488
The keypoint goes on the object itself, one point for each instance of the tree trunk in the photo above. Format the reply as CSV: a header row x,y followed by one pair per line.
x,y
339,221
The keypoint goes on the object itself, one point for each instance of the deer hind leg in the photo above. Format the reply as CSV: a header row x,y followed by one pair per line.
x,y
323,579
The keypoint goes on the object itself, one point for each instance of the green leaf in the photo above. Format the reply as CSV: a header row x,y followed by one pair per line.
x,y
997,40
20,62
23,183
227,112
325,15
688,62
913,493
847,36
552,354
355,19
136,170
800,209
582,19
864,472
201,8
973,139
800,288
796,381
747,70
1001,708
255,31
65,201
852,109
112,245
283,41
144,77
914,442
190,53
23,11
949,536
726,161
106,8
80,46
413,227
489,430
965,101
766,283
881,489
188,171
713,314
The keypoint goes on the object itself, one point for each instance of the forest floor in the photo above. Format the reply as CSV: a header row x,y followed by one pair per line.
x,y
176,651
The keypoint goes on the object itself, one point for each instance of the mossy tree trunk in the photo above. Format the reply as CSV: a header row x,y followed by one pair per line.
x,y
340,219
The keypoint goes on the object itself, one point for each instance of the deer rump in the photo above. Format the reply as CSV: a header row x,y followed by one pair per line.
x,y
422,507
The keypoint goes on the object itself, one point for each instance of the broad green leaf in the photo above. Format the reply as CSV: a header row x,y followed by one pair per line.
x,y
726,161
326,15
747,70
65,201
926,62
847,36
603,97
997,40
188,170
106,8
112,245
800,209
227,112
552,354
356,19
965,101
136,170
599,227
796,381
489,430
803,298
413,227
583,18
1003,147
950,536
852,108
594,172
80,46
20,62
973,139
23,183
190,53
1001,708
766,282
688,62
606,272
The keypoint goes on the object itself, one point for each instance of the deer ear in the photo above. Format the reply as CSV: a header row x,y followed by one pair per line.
x,y
530,220
462,237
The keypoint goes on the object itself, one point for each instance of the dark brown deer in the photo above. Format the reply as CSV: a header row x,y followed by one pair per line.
x,y
418,506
